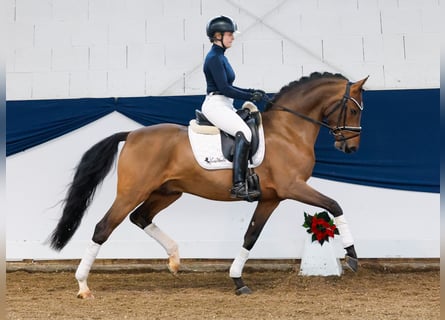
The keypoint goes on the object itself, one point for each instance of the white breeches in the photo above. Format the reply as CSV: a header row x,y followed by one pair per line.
x,y
220,111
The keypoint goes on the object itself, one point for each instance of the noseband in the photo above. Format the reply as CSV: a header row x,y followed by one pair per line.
x,y
336,131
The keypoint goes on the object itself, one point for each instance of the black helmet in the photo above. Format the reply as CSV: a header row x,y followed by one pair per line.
x,y
220,24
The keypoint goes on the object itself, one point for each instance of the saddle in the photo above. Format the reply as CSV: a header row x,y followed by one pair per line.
x,y
251,116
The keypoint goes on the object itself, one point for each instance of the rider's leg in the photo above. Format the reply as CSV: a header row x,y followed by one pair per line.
x,y
220,111
240,163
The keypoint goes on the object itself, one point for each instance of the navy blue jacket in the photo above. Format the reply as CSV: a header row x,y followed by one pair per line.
x,y
220,75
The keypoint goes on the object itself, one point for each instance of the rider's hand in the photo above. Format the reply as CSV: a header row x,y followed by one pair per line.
x,y
257,95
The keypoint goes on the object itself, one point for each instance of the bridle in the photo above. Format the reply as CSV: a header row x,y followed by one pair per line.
x,y
338,130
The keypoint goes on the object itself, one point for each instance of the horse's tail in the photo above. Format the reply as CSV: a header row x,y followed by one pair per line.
x,y
90,172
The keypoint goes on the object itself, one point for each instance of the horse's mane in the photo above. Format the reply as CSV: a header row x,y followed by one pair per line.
x,y
302,82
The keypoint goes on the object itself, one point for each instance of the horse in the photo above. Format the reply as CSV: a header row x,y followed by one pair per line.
x,y
156,166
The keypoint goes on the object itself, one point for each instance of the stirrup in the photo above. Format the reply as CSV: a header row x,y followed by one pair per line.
x,y
240,191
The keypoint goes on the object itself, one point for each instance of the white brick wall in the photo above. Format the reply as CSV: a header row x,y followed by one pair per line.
x,y
146,56
126,83
88,84
190,54
127,32
343,49
32,11
182,8
32,60
70,10
21,35
110,57
304,50
19,85
53,34
401,21
90,34
421,47
260,53
70,59
101,48
50,85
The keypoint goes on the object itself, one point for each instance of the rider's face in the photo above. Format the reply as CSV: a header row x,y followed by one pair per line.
x,y
226,38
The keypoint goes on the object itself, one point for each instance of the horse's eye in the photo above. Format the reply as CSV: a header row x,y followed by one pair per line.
x,y
353,112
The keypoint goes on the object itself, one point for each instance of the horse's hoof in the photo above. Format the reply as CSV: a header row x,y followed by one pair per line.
x,y
173,273
174,263
173,268
85,295
351,263
243,290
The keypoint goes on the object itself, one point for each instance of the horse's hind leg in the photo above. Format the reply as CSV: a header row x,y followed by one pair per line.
x,y
104,228
143,218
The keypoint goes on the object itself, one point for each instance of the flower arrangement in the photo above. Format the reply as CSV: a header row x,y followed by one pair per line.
x,y
321,226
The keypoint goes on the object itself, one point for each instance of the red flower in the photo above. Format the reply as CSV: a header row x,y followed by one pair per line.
x,y
321,226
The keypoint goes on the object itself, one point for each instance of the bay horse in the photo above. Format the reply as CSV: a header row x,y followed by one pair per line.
x,y
156,166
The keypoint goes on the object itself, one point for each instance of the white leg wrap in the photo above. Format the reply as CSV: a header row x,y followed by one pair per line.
x,y
164,240
345,233
87,261
236,269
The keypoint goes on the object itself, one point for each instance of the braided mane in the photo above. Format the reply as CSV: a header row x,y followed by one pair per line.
x,y
303,81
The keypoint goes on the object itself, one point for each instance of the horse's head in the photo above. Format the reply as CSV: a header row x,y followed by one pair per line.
x,y
343,117
327,100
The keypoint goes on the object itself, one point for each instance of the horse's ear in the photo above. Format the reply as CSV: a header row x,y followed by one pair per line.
x,y
360,83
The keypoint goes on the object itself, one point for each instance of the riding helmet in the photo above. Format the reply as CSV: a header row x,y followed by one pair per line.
x,y
220,24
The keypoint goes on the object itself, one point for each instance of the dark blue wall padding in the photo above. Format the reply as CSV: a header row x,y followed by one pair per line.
x,y
399,145
154,110
30,123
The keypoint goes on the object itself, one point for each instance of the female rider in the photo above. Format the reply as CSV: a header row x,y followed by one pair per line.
x,y
218,104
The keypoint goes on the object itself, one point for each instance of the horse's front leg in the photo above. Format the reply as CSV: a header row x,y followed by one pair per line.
x,y
302,192
259,219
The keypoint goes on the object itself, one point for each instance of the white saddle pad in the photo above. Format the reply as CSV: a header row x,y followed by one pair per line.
x,y
208,152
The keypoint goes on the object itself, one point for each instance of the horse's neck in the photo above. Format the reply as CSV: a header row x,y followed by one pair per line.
x,y
314,100
290,128
310,103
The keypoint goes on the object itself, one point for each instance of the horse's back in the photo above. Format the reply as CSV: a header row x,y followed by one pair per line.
x,y
164,133
156,148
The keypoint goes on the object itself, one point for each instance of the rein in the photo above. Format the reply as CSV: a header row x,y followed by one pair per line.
x,y
336,131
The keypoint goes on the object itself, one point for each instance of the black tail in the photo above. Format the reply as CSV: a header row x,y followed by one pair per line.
x,y
90,172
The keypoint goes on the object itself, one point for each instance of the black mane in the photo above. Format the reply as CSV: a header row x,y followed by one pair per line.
x,y
302,81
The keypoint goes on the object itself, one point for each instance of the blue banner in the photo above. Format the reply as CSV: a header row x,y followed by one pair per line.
x,y
399,146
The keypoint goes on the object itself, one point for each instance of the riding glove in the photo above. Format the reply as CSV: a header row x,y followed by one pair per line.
x,y
257,95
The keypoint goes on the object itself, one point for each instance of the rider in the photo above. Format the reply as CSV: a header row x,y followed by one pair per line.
x,y
218,104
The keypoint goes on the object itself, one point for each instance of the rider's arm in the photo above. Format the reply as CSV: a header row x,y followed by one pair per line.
x,y
219,75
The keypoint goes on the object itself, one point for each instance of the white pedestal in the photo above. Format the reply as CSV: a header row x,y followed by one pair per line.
x,y
319,260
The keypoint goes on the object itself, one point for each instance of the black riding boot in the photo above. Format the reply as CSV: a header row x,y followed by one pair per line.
x,y
240,161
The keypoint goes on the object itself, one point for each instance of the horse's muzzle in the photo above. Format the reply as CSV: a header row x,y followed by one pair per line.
x,y
351,149
343,146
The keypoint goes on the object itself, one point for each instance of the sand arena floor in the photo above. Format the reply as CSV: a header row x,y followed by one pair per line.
x,y
207,292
